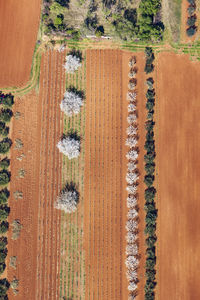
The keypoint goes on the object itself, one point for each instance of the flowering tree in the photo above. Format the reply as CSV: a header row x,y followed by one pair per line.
x,y
132,286
131,237
71,103
132,155
131,86
131,275
131,130
132,213
132,189
69,146
131,225
131,107
131,166
131,96
132,262
132,249
132,118
131,178
72,63
132,61
131,142
67,200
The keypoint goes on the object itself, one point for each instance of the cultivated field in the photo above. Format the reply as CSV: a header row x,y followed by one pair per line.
x,y
105,171
177,177
18,31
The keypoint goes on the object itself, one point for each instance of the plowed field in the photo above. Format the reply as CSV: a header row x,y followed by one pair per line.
x,y
178,168
39,128
18,32
105,170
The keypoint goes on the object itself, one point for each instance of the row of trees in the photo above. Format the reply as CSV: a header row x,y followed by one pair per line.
x,y
70,144
132,258
150,192
6,100
192,18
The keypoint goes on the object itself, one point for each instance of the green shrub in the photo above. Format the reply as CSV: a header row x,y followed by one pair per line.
x,y
191,20
149,157
191,10
149,146
151,240
149,68
5,132
150,263
4,227
5,145
4,286
150,168
150,193
151,252
6,115
150,229
4,195
191,31
3,255
192,2
148,180
149,125
3,242
5,163
151,275
8,100
2,268
150,206
4,212
150,136
150,94
150,295
150,83
151,217
4,177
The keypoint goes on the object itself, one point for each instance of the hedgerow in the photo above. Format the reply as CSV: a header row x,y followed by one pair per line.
x,y
192,18
150,192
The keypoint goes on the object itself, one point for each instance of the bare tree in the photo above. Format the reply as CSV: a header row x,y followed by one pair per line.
x,y
131,107
71,103
132,61
69,146
72,63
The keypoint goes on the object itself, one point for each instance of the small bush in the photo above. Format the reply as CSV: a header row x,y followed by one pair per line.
x,y
3,242
191,20
4,195
150,194
4,227
5,145
191,10
191,31
6,115
4,177
150,168
4,212
5,163
148,180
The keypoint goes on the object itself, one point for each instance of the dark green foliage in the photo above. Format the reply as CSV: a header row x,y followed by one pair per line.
x,y
4,177
2,268
150,136
4,132
149,68
149,125
4,195
4,286
4,212
5,145
150,168
191,31
7,100
150,194
148,180
192,2
150,206
150,83
3,254
151,275
3,242
191,20
4,227
149,295
149,157
150,263
191,10
150,229
151,240
151,217
149,146
4,163
150,94
6,115
64,3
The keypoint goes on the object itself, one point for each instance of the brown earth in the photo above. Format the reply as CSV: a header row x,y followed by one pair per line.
x,y
105,170
39,128
178,172
18,31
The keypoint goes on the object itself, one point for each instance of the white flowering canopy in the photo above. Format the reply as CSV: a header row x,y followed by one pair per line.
x,y
71,103
132,286
67,201
69,146
72,63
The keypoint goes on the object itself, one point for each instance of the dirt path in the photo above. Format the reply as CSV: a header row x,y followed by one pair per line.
x,y
178,165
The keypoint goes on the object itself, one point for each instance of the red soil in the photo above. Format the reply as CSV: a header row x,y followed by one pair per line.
x,y
178,172
39,128
18,32
105,169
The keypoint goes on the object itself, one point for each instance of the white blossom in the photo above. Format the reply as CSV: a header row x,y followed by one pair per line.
x,y
132,297
131,142
131,225
131,107
132,189
71,103
131,237
132,118
67,201
132,61
131,178
72,63
132,286
132,213
132,262
131,96
131,275
131,130
69,147
132,249
131,166
132,155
